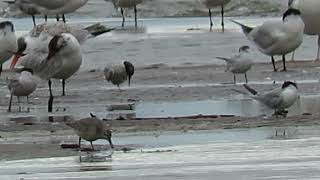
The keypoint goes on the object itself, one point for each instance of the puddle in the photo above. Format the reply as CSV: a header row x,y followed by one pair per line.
x,y
244,107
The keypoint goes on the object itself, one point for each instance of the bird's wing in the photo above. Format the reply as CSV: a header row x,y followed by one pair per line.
x,y
13,84
50,4
267,34
49,67
272,99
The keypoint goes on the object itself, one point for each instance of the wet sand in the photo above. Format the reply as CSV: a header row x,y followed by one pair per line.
x,y
21,132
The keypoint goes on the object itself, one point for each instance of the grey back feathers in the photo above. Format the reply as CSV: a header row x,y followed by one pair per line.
x,y
118,74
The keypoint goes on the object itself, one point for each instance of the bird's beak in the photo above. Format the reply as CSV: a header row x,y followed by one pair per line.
x,y
110,142
15,59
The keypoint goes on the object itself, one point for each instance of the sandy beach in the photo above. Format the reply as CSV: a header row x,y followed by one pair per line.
x,y
184,105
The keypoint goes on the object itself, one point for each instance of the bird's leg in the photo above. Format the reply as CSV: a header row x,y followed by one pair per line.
x,y
45,18
79,144
318,54
63,18
91,145
276,132
10,103
50,102
284,132
222,16
19,103
246,77
234,79
135,17
0,69
119,87
123,18
273,63
34,20
284,62
292,57
27,99
63,87
210,18
57,17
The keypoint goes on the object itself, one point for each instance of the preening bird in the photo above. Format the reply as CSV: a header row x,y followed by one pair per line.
x,y
60,59
239,64
20,86
277,37
119,73
8,42
278,99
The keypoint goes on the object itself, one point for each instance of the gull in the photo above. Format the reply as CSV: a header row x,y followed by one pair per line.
x,y
8,42
310,11
212,4
239,64
119,73
60,60
35,44
278,99
127,4
58,7
277,37
23,85
27,7
80,32
91,129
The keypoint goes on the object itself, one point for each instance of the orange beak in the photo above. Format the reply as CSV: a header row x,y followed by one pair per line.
x,y
14,61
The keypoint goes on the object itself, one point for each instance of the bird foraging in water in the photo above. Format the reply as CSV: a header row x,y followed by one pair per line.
x,y
239,64
118,74
91,129
277,37
24,85
278,99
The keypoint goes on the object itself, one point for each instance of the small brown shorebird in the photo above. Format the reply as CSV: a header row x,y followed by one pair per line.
x,y
91,129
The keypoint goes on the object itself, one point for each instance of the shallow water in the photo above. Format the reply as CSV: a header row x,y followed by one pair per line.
x,y
222,154
167,40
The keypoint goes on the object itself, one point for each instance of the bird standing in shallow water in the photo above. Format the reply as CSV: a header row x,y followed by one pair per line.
x,y
122,4
118,74
239,64
91,129
277,37
24,85
212,4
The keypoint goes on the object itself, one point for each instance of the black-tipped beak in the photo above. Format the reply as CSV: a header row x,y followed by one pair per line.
x,y
110,142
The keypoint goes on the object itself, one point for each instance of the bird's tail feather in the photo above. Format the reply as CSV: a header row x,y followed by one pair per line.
x,y
252,91
246,29
98,29
9,2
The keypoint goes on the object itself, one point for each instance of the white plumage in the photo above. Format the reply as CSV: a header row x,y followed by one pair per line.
x,y
239,64
23,85
277,37
277,99
310,12
59,59
8,42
